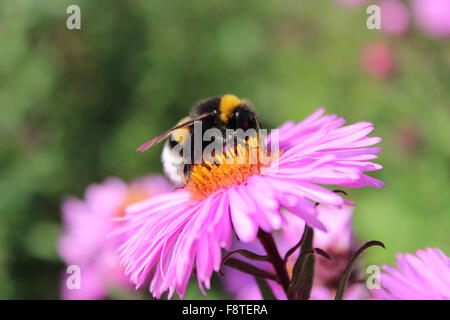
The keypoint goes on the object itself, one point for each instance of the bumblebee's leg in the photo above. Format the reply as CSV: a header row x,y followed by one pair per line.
x,y
186,171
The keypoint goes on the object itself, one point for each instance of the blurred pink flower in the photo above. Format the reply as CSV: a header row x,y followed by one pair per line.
x,y
86,225
423,276
433,16
377,59
338,242
173,232
394,16
350,2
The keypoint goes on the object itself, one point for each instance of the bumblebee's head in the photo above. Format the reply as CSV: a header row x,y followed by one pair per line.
x,y
237,114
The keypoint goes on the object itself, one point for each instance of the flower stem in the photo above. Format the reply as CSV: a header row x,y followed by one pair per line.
x,y
270,247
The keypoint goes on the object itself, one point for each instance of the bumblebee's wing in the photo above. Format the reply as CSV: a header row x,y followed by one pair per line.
x,y
150,143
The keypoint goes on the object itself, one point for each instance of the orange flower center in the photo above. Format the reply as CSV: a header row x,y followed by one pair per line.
x,y
231,168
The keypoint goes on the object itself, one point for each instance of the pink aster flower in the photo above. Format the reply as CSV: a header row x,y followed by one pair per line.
x,y
338,241
350,2
423,276
394,16
433,16
87,224
172,233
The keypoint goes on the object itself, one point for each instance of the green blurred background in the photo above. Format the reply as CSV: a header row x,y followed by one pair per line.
x,y
74,105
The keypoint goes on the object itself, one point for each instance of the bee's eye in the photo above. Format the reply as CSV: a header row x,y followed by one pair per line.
x,y
242,119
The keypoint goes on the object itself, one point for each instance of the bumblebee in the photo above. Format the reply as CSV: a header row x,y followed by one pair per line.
x,y
220,112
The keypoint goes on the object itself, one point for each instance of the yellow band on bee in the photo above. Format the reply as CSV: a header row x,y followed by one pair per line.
x,y
228,103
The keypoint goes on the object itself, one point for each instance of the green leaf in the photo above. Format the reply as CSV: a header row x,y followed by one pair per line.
x,y
249,269
265,289
303,271
247,254
307,279
348,270
294,248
